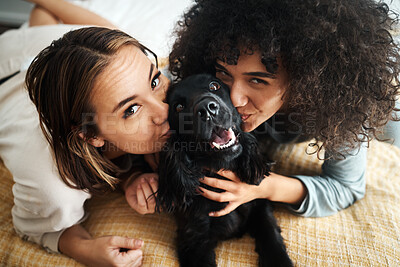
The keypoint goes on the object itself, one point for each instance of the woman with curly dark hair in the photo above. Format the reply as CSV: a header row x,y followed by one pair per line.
x,y
321,70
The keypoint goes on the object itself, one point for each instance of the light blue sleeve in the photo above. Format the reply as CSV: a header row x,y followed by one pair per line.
x,y
392,129
341,183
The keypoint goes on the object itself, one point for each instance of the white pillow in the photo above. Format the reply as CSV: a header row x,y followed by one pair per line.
x,y
151,22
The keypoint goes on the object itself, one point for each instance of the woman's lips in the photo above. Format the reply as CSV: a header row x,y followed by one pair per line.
x,y
244,116
167,133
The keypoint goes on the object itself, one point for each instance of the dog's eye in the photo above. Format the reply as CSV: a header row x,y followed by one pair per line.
x,y
214,86
179,107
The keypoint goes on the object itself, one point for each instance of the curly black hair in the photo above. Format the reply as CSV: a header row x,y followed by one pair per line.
x,y
341,60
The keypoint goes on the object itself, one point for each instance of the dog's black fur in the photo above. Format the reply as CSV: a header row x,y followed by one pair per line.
x,y
200,107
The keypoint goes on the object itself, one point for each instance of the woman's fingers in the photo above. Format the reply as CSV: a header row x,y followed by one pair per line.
x,y
229,174
219,197
141,199
149,195
125,242
147,190
145,195
235,191
153,184
228,209
218,183
136,257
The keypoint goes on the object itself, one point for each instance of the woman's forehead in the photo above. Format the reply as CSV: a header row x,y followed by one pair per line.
x,y
127,73
244,60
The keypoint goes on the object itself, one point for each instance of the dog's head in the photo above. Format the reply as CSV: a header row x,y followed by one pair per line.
x,y
202,114
206,135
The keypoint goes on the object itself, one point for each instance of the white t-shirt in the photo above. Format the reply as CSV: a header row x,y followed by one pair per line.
x,y
44,205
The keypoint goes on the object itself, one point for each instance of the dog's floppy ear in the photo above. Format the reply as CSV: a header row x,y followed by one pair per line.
x,y
178,179
252,167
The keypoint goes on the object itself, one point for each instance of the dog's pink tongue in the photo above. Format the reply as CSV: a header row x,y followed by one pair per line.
x,y
222,137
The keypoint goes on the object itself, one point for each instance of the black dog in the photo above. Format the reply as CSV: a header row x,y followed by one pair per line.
x,y
207,138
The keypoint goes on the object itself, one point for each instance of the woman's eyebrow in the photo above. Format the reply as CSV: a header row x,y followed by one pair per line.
x,y
220,66
260,74
129,99
123,102
253,73
151,71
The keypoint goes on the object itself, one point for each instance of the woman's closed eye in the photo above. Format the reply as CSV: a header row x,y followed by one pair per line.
x,y
222,73
223,76
131,110
258,81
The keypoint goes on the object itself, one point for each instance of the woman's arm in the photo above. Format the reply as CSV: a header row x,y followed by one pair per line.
x,y
77,243
49,11
341,183
41,16
279,188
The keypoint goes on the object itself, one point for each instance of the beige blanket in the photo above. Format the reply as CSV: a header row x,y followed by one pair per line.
x,y
366,234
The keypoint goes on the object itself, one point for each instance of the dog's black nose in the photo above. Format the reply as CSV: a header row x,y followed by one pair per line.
x,y
207,109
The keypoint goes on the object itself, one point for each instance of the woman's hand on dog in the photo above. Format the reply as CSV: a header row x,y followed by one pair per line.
x,y
236,192
140,193
277,188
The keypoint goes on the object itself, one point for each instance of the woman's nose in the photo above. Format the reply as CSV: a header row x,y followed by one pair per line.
x,y
160,112
238,95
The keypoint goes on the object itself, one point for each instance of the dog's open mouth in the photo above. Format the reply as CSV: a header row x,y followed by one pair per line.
x,y
223,138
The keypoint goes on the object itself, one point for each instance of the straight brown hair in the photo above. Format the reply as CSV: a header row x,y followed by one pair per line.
x,y
60,81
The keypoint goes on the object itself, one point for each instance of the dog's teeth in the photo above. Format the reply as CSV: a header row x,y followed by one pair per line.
x,y
216,145
230,143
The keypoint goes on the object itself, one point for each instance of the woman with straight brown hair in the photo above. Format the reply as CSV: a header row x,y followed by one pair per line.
x,y
100,103
104,106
